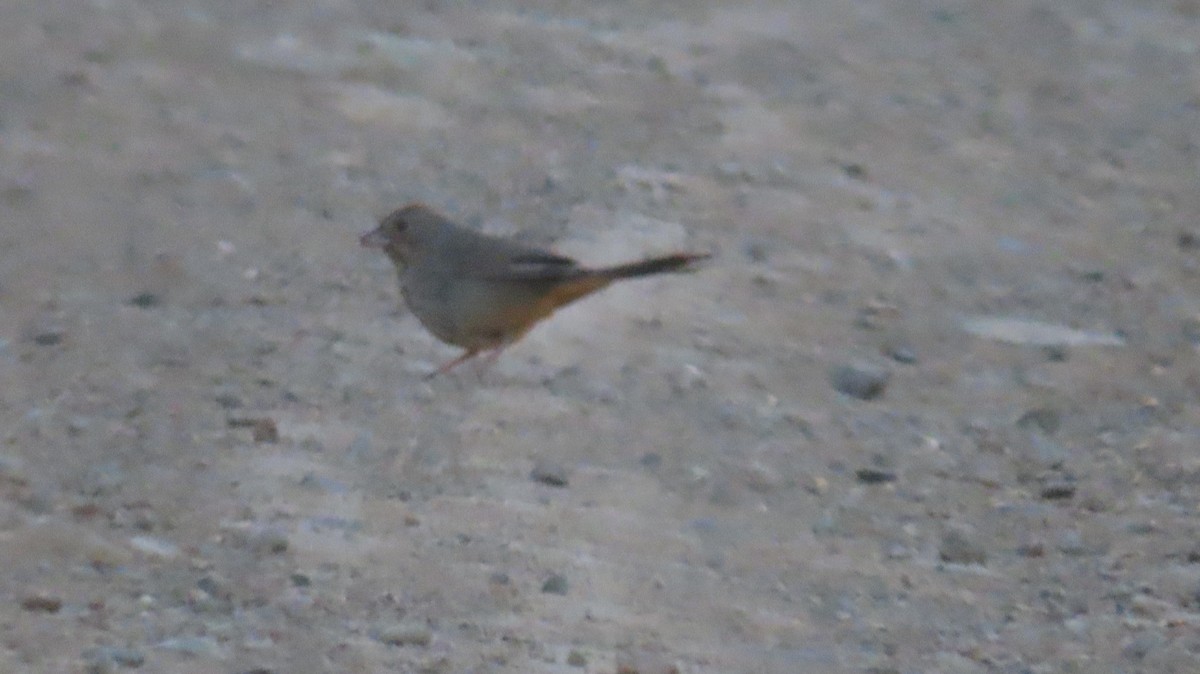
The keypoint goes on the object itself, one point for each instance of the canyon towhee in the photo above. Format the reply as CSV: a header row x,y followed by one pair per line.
x,y
482,292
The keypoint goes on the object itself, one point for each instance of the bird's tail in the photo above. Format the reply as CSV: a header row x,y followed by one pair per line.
x,y
588,281
654,265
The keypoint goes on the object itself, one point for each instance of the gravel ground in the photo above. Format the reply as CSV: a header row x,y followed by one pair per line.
x,y
931,408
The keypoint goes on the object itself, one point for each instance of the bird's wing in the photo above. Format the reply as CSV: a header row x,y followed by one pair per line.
x,y
482,256
533,265
503,260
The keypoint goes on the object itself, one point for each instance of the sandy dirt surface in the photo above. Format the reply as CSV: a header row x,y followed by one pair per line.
x,y
931,408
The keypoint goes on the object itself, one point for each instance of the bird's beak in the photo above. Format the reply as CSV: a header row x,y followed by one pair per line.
x,y
374,239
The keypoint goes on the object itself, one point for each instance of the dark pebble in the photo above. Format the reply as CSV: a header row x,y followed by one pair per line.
x,y
1033,549
41,603
855,170
265,430
145,300
49,338
651,460
228,401
549,473
1056,353
956,548
555,584
874,475
1058,490
210,586
864,382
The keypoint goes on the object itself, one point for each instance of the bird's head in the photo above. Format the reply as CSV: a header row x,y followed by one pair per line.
x,y
402,231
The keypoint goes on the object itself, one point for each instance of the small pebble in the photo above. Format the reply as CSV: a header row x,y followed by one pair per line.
x,y
228,401
261,539
405,633
957,548
864,382
271,541
41,603
901,353
1032,548
1056,353
549,473
651,460
48,338
555,584
855,170
210,586
154,547
576,659
1044,418
874,475
1058,489
145,300
265,430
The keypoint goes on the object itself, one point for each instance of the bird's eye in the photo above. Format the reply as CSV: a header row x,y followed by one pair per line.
x,y
396,223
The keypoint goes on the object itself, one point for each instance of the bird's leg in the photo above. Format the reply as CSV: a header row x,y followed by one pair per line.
x,y
471,353
489,359
492,355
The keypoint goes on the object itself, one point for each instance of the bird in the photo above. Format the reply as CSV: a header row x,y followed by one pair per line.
x,y
482,293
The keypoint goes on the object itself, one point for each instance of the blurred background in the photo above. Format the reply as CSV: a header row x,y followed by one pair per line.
x,y
932,407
